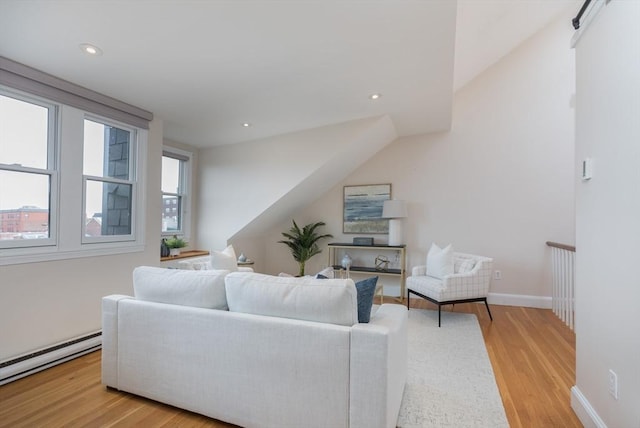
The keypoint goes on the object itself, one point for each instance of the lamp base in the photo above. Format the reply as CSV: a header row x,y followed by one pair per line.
x,y
395,231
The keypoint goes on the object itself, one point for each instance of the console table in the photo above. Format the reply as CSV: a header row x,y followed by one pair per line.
x,y
337,250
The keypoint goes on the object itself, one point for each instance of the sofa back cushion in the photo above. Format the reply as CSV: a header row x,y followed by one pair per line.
x,y
199,288
333,301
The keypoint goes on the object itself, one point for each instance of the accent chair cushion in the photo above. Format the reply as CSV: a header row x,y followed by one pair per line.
x,y
225,259
464,265
333,301
366,290
440,261
199,288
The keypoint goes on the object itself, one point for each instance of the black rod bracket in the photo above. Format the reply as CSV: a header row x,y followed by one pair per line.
x,y
576,21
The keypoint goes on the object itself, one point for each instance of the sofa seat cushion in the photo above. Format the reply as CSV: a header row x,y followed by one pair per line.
x,y
331,301
199,288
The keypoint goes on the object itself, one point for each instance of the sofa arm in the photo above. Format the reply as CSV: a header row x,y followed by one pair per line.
x,y
378,368
110,339
419,270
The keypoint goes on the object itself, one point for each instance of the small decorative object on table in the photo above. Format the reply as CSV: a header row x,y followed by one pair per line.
x,y
382,263
346,261
362,241
164,250
242,258
174,243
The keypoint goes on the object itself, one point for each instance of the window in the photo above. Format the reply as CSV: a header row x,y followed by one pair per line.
x,y
109,186
28,174
176,173
64,192
56,162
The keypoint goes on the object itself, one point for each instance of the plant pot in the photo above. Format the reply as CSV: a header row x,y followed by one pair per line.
x,y
174,252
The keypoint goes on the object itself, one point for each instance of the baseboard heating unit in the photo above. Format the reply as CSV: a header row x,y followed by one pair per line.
x,y
36,361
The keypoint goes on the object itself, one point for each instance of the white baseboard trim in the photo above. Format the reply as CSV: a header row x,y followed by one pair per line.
x,y
541,302
34,362
587,414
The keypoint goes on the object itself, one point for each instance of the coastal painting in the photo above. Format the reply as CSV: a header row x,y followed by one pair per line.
x,y
363,208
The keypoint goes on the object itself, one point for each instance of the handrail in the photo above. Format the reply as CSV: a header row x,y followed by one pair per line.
x,y
561,246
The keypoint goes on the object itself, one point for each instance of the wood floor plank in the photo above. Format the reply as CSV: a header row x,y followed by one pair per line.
x,y
531,351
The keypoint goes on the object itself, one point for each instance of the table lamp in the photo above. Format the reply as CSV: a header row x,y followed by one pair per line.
x,y
395,211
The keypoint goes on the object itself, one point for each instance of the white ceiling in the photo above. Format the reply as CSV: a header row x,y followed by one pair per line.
x,y
206,67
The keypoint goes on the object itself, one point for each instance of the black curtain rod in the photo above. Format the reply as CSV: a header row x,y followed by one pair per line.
x,y
576,21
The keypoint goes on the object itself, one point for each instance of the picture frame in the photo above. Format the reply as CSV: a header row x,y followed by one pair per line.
x,y
362,208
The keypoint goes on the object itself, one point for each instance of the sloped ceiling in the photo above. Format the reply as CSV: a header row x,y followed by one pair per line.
x,y
207,67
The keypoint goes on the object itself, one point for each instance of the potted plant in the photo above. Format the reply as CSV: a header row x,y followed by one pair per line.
x,y
174,243
303,243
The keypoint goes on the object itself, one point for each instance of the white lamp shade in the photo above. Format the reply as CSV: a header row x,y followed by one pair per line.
x,y
394,208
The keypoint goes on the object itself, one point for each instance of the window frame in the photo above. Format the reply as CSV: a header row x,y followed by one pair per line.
x,y
51,169
67,199
132,181
184,190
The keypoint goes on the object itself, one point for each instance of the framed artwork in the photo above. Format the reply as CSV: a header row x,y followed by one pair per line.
x,y
362,208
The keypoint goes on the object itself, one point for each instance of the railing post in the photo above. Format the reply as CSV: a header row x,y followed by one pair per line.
x,y
563,281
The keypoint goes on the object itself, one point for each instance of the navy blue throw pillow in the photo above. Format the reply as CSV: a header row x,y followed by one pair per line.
x,y
366,290
321,276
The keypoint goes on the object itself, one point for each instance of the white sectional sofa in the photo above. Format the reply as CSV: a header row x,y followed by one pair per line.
x,y
288,352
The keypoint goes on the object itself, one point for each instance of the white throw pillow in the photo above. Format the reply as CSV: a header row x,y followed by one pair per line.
x,y
199,288
225,259
465,265
440,261
332,301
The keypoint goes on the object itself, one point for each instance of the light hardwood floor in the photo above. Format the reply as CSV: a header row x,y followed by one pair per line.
x,y
531,351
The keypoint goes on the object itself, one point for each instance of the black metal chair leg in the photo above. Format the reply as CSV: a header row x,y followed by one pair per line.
x,y
488,310
439,314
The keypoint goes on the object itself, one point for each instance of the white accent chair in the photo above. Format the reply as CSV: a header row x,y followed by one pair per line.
x,y
469,283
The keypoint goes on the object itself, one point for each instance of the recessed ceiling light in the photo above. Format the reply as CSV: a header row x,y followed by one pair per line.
x,y
375,96
90,49
246,124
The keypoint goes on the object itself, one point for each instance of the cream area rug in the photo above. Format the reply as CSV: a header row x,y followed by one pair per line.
x,y
450,382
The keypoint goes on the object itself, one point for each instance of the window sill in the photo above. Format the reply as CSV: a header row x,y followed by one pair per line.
x,y
185,255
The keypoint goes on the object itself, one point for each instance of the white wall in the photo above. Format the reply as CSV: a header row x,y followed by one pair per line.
x,y
246,187
608,217
499,184
46,303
